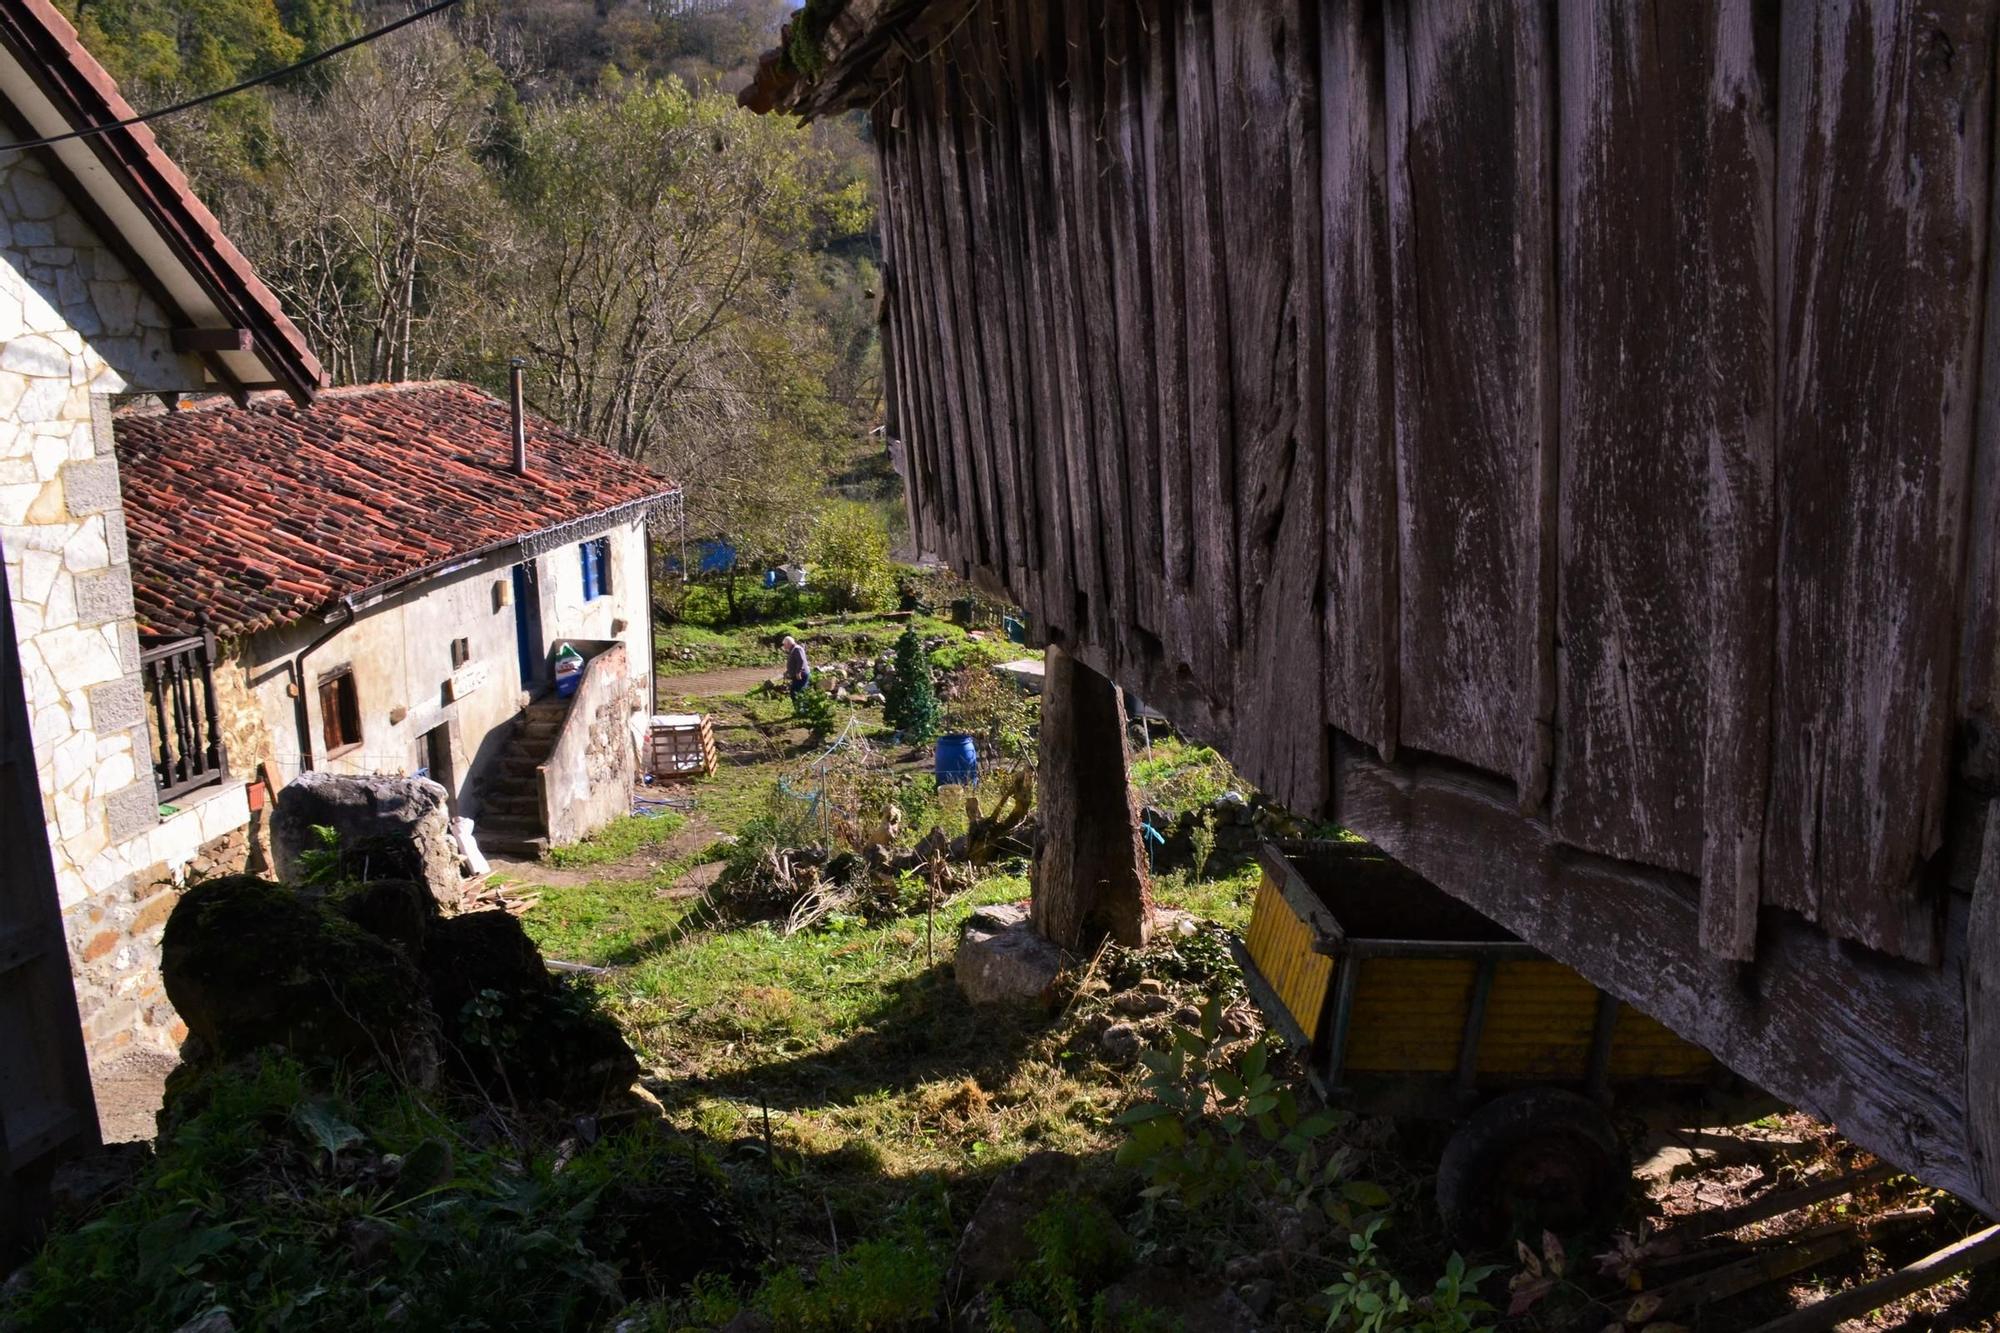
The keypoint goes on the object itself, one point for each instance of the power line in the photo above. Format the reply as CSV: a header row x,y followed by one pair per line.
x,y
244,86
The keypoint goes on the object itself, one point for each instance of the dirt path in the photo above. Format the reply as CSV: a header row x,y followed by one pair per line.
x,y
735,680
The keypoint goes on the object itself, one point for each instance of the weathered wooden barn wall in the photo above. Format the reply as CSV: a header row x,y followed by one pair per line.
x,y
1554,442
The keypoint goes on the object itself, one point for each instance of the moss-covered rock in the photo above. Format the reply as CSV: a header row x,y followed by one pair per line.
x,y
249,965
400,911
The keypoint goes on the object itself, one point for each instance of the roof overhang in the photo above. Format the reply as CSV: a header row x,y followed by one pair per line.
x,y
857,48
141,203
528,546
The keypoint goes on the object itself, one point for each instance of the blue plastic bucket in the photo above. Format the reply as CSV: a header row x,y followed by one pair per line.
x,y
957,760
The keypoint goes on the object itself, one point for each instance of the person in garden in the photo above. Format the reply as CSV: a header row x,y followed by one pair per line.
x,y
798,671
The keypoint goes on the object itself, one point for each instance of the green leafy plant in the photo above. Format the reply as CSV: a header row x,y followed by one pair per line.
x,y
1368,1298
911,705
1193,1138
1202,837
850,557
813,708
320,864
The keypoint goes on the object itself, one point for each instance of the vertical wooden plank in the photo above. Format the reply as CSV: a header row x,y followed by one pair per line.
x,y
1740,344
901,420
1078,159
926,352
1982,1015
1000,129
1469,206
965,375
1360,614
1160,99
1063,570
1882,148
1123,189
1205,305
1071,337
1645,407
929,502
1266,63
971,171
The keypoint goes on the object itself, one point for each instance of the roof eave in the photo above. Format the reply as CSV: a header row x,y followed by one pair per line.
x,y
56,86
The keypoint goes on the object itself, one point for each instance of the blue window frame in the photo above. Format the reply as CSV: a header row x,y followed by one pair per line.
x,y
596,568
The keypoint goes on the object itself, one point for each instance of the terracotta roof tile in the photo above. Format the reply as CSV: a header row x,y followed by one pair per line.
x,y
265,514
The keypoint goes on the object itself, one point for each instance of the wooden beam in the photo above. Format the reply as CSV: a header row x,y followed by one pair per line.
x,y
1873,1043
1090,870
1979,1248
213,340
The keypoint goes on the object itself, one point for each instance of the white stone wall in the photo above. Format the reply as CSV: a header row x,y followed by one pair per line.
x,y
76,328
399,653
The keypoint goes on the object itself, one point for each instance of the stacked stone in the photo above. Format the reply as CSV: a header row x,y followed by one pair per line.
x,y
74,329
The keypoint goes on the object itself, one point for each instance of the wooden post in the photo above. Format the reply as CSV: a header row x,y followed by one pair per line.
x,y
1090,869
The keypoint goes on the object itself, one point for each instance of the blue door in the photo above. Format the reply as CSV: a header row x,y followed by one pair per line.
x,y
527,627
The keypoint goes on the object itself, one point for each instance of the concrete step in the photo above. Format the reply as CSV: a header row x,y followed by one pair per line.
x,y
517,764
530,731
504,805
546,712
509,837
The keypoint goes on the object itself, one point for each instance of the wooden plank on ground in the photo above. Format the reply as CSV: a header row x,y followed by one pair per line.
x,y
1268,151
1883,137
1469,92
1825,1314
1361,565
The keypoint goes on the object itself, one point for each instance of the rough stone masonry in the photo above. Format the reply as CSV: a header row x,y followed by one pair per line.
x,y
75,329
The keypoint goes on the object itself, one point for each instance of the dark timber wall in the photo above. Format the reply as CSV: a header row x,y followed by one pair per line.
x,y
1552,439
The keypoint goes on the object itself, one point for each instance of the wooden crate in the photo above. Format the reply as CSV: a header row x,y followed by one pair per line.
x,y
683,746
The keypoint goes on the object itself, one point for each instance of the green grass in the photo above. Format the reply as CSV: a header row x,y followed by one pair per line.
x,y
617,840
607,922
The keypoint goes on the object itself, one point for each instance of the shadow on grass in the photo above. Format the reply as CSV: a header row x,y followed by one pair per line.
x,y
924,1031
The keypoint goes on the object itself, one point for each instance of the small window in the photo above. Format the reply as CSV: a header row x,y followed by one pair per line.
x,y
339,713
461,653
596,568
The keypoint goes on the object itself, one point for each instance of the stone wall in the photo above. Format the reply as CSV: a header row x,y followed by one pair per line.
x,y
587,779
76,329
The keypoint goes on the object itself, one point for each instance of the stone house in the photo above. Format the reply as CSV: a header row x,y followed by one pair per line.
x,y
386,577
116,281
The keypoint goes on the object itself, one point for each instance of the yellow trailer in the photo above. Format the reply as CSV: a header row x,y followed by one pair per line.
x,y
1408,1002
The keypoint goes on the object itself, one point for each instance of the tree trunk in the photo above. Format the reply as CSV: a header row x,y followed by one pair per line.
x,y
1090,867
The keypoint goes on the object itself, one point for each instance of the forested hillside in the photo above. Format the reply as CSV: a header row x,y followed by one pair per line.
x,y
567,181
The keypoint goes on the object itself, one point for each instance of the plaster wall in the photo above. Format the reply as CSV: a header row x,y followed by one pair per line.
x,y
400,655
75,329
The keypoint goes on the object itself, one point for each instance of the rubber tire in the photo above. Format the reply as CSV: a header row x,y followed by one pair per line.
x,y
1540,1158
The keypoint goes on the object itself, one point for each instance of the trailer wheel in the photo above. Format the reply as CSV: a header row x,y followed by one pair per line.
x,y
1537,1159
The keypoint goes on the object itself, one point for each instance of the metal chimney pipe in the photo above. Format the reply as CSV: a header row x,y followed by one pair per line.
x,y
514,369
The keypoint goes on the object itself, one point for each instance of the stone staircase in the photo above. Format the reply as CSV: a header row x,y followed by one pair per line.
x,y
510,804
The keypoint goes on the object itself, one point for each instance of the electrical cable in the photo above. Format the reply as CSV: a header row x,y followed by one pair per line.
x,y
244,86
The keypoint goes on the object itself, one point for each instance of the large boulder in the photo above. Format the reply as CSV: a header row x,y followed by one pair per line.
x,y
1002,959
385,828
249,964
513,1028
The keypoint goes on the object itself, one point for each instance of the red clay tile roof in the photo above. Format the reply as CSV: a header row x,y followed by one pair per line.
x,y
265,514
85,96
